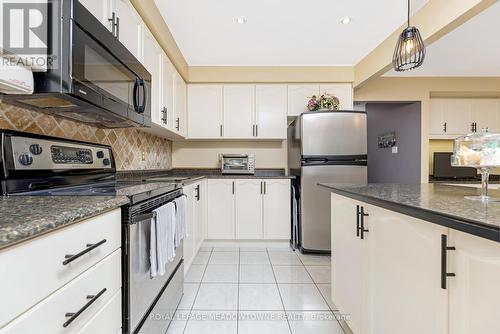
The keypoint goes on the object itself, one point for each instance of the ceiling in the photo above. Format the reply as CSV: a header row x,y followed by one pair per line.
x,y
279,32
473,49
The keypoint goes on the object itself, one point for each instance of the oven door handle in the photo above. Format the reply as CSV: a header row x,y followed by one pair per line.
x,y
143,217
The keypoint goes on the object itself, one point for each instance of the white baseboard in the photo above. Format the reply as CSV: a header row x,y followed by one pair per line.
x,y
247,243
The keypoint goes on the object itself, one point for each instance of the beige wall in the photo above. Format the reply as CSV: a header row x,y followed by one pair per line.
x,y
205,154
388,89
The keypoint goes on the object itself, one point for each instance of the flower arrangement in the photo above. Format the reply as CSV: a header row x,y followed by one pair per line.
x,y
325,102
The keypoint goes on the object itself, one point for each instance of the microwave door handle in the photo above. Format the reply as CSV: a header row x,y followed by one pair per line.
x,y
144,96
134,94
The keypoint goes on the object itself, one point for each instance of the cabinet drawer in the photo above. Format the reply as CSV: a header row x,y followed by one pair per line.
x,y
108,319
101,281
33,270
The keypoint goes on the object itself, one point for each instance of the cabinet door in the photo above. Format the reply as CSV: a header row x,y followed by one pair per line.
x,y
152,54
200,214
485,112
405,269
475,290
189,242
100,9
179,103
129,26
349,273
167,88
239,110
204,111
277,211
437,126
270,111
457,115
249,209
298,96
343,91
221,209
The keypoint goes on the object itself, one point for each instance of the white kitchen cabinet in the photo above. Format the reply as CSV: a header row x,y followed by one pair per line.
x,y
350,290
405,262
167,88
453,117
204,111
129,25
239,111
100,9
196,217
200,214
179,104
298,96
276,209
108,319
270,111
221,210
475,290
343,91
249,209
152,58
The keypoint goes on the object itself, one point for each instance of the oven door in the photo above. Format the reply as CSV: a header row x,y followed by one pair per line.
x,y
102,79
142,289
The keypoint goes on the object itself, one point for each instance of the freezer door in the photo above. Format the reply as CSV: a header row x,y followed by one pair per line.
x,y
315,221
333,133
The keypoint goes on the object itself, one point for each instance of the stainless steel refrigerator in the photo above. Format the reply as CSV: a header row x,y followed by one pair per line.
x,y
324,147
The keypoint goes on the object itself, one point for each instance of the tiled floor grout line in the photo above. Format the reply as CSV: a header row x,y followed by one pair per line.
x,y
197,291
279,292
321,293
238,299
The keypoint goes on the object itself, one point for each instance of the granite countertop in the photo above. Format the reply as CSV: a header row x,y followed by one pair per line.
x,y
27,217
205,173
441,204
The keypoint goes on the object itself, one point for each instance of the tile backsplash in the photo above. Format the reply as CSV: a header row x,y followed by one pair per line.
x,y
128,144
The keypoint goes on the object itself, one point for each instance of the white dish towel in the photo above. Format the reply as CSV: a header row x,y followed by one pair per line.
x,y
181,231
162,246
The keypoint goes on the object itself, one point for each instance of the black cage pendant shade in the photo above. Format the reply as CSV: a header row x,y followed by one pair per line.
x,y
410,49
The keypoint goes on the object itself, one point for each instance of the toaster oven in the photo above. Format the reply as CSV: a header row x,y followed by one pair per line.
x,y
237,163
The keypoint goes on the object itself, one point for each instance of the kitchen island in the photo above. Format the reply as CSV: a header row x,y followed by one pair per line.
x,y
415,259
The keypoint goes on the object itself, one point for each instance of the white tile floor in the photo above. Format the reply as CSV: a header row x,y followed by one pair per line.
x,y
256,291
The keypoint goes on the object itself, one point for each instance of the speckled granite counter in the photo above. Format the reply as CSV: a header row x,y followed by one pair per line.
x,y
441,204
207,173
26,217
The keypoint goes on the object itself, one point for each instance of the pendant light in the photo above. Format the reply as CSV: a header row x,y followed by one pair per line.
x,y
410,49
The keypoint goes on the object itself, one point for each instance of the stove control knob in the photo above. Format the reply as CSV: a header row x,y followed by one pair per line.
x,y
100,154
25,159
36,149
106,162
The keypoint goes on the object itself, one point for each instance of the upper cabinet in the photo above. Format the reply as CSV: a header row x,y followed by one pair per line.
x,y
204,111
180,101
270,111
127,26
239,110
152,61
453,117
299,95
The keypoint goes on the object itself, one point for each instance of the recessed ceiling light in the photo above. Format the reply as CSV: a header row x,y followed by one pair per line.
x,y
346,20
241,20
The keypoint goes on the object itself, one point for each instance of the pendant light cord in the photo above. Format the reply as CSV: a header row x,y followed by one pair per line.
x,y
408,13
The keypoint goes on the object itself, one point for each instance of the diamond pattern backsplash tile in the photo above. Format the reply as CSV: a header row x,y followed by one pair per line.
x,y
128,144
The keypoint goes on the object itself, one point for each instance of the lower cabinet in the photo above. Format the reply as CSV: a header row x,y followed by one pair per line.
x,y
196,216
248,209
388,274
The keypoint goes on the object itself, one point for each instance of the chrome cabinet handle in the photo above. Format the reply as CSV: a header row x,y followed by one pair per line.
x,y
72,257
73,316
118,27
358,225
256,130
444,261
362,229
178,124
265,187
220,127
233,188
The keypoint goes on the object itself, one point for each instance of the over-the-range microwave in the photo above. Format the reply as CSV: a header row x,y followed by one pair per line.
x,y
94,78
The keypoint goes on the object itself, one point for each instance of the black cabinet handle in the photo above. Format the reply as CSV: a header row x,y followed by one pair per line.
x,y
164,113
358,226
178,123
72,257
265,187
444,260
256,130
472,128
445,127
362,229
197,195
220,127
75,315
233,188
118,27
